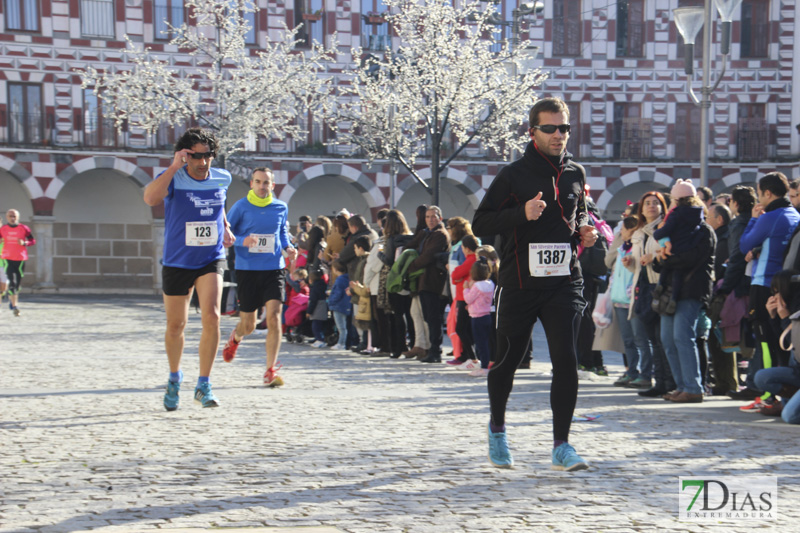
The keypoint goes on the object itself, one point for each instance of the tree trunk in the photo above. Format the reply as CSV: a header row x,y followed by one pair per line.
x,y
436,141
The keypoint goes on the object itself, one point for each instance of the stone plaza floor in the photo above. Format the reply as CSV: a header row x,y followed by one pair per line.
x,y
350,443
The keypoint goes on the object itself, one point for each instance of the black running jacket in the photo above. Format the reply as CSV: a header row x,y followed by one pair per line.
x,y
502,212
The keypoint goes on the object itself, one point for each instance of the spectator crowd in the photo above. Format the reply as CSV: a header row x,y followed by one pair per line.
x,y
697,292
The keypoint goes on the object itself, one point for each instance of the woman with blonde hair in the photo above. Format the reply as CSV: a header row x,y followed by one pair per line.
x,y
324,223
336,239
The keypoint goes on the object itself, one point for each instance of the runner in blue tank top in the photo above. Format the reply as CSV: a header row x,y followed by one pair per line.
x,y
195,232
259,223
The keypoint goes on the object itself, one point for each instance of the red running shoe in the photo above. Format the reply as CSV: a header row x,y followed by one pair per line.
x,y
753,407
271,377
229,351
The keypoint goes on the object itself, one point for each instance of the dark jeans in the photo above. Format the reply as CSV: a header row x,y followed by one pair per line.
x,y
433,312
482,334
318,328
661,370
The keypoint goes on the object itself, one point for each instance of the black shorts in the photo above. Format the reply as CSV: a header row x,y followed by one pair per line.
x,y
518,309
179,281
256,287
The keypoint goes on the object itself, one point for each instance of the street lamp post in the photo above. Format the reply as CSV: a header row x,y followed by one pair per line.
x,y
689,20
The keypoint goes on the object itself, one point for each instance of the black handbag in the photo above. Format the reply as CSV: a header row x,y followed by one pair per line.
x,y
660,303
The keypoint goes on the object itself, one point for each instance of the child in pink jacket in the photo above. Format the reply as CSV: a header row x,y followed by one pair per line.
x,y
478,294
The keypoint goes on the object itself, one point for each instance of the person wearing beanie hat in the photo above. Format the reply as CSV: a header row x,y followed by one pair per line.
x,y
685,230
682,189
678,231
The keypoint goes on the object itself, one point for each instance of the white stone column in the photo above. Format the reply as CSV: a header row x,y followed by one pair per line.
x,y
43,233
158,250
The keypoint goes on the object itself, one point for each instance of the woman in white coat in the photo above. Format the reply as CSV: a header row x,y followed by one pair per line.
x,y
645,321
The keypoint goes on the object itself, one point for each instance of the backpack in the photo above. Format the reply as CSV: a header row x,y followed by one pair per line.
x,y
399,278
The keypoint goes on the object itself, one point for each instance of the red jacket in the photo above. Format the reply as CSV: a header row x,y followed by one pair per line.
x,y
460,274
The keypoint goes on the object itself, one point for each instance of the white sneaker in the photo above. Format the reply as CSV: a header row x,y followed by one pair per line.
x,y
469,365
480,372
320,344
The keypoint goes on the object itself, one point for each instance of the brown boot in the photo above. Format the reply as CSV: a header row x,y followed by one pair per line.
x,y
413,352
686,397
668,396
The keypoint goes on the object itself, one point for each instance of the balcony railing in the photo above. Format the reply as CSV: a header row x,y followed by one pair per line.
x,y
26,128
755,40
631,44
377,43
99,132
687,144
375,37
756,140
635,139
566,37
97,19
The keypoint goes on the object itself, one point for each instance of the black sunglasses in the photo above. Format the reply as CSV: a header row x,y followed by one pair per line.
x,y
551,129
198,155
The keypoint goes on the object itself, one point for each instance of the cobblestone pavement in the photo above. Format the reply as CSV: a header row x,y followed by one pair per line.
x,y
358,444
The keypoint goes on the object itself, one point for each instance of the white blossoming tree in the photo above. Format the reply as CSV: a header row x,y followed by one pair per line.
x,y
445,80
227,90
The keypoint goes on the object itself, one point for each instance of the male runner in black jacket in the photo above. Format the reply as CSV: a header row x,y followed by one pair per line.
x,y
537,205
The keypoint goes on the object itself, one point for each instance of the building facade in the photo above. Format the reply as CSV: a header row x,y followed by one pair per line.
x,y
78,182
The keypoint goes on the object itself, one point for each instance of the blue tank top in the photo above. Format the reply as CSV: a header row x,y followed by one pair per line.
x,y
193,219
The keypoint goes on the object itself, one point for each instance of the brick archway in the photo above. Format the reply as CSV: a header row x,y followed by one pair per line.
x,y
139,176
23,176
631,178
473,190
372,194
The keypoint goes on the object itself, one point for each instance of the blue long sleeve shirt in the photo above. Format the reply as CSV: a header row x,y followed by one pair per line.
x,y
772,231
269,223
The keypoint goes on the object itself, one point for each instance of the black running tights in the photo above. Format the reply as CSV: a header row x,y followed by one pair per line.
x,y
561,328
14,270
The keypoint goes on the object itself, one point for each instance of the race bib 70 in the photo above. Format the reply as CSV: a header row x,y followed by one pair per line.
x,y
265,244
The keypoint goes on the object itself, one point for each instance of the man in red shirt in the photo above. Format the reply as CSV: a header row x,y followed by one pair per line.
x,y
16,238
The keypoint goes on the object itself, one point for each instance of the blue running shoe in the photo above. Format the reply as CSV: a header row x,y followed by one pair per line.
x,y
566,458
204,396
499,454
171,399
